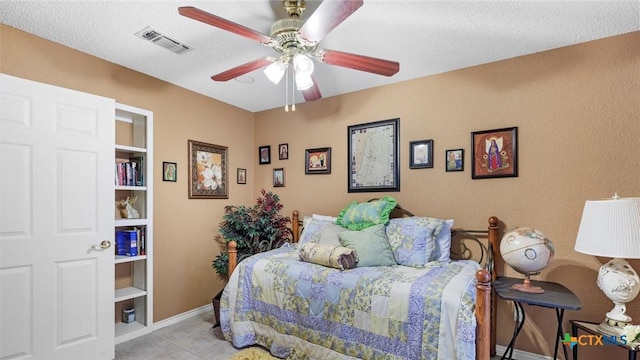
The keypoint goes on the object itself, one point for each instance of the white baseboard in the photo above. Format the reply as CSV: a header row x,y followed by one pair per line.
x,y
185,315
522,355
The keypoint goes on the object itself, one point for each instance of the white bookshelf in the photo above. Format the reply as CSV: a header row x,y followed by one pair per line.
x,y
134,138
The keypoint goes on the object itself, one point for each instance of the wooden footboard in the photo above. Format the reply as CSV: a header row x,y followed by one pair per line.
x,y
485,300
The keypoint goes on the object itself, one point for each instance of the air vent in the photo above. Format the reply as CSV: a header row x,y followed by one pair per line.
x,y
162,40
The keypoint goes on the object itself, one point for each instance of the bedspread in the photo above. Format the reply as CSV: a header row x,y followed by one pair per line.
x,y
293,307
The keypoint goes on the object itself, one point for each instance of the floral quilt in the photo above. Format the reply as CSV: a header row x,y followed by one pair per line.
x,y
308,311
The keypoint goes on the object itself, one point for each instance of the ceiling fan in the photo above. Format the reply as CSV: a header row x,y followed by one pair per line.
x,y
296,41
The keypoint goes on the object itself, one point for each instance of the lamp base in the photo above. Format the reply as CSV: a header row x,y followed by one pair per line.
x,y
606,328
621,284
527,287
617,323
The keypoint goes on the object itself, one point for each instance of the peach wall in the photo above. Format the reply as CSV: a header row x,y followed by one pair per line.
x,y
184,229
576,108
578,114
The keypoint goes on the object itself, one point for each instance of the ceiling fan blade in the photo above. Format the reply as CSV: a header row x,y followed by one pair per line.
x,y
224,24
326,17
242,69
312,93
358,62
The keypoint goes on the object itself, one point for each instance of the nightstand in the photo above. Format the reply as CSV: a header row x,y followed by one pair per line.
x,y
555,296
592,329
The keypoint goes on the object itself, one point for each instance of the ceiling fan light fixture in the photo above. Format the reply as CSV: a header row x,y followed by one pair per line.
x,y
303,65
275,71
303,82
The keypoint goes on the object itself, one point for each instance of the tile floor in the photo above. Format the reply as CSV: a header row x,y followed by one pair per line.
x,y
190,339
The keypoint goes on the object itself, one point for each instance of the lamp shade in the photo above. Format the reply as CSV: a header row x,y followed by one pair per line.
x,y
303,82
610,228
303,65
275,71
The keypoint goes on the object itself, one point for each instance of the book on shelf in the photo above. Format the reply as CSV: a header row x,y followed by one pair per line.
x,y
129,172
138,162
142,237
127,242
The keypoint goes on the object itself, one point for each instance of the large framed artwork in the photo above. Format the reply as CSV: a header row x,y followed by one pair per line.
x,y
373,161
207,171
494,153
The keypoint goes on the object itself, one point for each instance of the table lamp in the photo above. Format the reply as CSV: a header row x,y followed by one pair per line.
x,y
611,228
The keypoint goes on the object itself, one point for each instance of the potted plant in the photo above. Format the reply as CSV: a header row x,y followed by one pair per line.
x,y
254,229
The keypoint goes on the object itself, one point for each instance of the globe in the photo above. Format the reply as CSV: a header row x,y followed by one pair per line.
x,y
528,251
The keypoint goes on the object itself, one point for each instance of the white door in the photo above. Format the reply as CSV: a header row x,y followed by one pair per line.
x,y
56,203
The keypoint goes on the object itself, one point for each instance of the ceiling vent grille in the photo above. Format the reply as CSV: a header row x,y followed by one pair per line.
x,y
162,40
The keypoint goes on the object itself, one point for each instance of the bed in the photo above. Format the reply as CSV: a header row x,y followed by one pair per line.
x,y
302,308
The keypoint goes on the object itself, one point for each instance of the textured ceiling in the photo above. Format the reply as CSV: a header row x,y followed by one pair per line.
x,y
425,37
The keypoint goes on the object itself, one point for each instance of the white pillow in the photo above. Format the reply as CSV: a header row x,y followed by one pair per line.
x,y
333,219
442,251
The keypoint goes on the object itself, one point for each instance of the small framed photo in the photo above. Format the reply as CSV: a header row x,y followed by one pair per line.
x,y
264,154
317,161
494,153
169,171
283,151
454,160
278,177
242,176
421,154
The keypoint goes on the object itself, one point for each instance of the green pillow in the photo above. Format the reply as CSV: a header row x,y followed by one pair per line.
x,y
371,245
358,216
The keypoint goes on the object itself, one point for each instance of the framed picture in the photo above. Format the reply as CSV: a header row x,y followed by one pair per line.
x,y
283,151
169,171
207,171
372,152
317,161
242,176
454,160
421,154
494,153
278,177
264,154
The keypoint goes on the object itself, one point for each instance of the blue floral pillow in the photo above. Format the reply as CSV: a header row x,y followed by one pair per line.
x,y
412,239
319,231
359,216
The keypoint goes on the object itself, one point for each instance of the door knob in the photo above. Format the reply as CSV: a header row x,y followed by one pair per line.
x,y
105,244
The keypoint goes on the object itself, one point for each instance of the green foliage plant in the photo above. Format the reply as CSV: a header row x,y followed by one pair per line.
x,y
255,229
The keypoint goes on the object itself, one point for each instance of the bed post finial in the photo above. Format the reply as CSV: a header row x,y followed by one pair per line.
x,y
232,250
295,226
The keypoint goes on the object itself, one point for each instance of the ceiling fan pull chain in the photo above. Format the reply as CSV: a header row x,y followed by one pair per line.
x,y
286,92
293,91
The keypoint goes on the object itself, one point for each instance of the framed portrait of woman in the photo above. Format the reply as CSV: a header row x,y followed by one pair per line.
x,y
494,153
